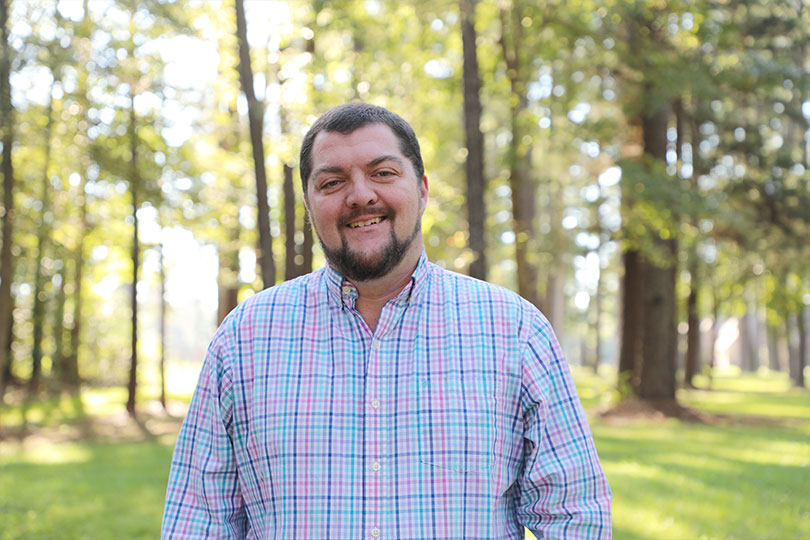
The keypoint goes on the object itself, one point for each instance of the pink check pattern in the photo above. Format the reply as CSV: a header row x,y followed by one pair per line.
x,y
456,419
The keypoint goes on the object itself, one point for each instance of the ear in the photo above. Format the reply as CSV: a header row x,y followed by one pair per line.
x,y
423,191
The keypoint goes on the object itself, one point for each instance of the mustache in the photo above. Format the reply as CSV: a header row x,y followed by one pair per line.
x,y
357,212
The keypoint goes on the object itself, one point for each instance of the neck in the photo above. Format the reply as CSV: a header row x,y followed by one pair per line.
x,y
373,294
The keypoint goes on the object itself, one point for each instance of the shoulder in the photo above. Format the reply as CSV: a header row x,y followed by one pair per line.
x,y
283,299
469,289
498,303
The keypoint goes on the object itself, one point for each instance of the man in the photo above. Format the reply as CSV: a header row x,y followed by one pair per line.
x,y
382,397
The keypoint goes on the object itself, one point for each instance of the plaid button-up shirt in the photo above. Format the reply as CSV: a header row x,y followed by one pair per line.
x,y
456,418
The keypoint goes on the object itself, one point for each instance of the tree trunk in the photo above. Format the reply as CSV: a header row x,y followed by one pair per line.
x,y
291,269
692,366
632,312
659,340
520,157
7,126
748,346
134,185
256,121
228,276
162,326
793,347
554,306
774,357
714,333
597,330
308,245
70,374
474,166
43,237
802,352
6,377
59,327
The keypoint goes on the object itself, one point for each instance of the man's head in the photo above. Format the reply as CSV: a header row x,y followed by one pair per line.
x,y
349,117
362,191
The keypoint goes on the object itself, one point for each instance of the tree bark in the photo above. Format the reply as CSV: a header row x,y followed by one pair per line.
x,y
134,184
714,333
59,327
659,340
793,347
7,126
748,343
774,357
308,245
228,275
70,375
7,377
632,312
692,366
801,354
659,327
524,209
291,268
43,241
161,262
474,139
597,330
256,122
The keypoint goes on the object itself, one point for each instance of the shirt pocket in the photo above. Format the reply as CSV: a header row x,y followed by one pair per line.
x,y
456,425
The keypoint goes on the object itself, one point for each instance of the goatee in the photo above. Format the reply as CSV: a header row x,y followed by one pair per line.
x,y
356,267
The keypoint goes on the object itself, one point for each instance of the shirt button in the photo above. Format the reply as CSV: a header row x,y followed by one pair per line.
x,y
375,466
376,344
375,404
375,532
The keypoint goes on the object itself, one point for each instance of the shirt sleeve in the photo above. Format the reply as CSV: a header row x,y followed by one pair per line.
x,y
203,498
563,490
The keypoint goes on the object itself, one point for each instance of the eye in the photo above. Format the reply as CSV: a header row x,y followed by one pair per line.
x,y
385,174
329,184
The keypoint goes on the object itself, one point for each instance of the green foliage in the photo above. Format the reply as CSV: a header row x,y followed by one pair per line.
x,y
735,194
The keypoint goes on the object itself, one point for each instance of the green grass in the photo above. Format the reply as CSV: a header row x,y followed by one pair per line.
x,y
77,491
672,480
745,476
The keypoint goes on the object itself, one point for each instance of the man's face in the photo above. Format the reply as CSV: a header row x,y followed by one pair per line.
x,y
365,202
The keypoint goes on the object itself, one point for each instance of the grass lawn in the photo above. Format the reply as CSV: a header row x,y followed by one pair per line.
x,y
86,471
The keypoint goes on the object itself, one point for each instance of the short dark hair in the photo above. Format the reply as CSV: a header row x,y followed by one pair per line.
x,y
348,118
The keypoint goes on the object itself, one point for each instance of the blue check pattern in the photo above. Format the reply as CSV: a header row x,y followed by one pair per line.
x,y
456,419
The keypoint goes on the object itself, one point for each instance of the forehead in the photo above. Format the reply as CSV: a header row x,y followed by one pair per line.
x,y
365,143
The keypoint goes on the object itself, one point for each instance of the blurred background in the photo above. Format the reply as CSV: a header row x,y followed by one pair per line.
x,y
636,169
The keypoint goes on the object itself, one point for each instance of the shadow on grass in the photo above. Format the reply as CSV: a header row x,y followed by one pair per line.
x,y
675,481
97,491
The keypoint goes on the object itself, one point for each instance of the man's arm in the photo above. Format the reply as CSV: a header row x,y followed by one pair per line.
x,y
203,498
564,493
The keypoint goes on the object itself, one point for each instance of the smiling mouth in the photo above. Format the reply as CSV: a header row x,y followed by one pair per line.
x,y
365,223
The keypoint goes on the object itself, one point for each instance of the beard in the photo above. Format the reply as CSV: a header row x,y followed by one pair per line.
x,y
356,267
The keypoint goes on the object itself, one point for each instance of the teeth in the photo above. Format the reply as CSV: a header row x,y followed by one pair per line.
x,y
366,223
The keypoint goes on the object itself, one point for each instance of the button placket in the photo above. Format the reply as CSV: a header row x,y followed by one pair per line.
x,y
375,433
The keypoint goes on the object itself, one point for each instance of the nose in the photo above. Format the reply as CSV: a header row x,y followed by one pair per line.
x,y
361,192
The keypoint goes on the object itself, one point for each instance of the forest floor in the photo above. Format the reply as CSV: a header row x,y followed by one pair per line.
x,y
736,466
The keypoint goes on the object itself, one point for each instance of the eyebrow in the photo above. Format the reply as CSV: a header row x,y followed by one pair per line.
x,y
372,163
388,157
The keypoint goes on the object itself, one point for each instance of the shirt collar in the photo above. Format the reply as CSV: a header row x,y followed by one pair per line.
x,y
344,290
